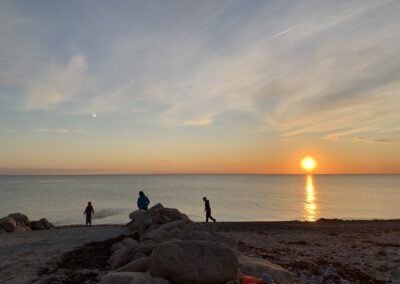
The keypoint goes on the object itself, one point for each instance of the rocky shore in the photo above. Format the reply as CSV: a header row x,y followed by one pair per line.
x,y
162,245
18,222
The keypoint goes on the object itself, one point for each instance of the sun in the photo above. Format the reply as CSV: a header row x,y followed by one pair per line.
x,y
308,163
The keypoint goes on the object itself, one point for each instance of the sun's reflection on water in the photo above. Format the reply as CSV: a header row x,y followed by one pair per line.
x,y
310,205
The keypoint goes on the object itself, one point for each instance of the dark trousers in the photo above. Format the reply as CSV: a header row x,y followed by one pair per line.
x,y
88,219
208,216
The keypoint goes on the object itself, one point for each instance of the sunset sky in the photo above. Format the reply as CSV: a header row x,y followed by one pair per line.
x,y
94,87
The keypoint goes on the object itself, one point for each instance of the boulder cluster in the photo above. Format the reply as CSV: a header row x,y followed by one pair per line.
x,y
18,222
167,247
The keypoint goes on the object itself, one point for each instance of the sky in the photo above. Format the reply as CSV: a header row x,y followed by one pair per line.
x,y
105,87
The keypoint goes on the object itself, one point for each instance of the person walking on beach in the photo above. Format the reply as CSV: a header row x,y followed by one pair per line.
x,y
89,211
207,209
143,202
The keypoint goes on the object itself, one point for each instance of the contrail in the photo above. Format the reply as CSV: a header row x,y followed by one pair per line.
x,y
279,34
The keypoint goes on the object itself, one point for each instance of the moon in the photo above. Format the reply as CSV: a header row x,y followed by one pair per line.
x,y
94,115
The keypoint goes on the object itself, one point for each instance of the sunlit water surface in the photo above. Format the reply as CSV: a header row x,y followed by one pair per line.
x,y
62,199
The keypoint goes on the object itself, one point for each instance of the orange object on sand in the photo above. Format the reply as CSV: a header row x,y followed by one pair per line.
x,y
250,280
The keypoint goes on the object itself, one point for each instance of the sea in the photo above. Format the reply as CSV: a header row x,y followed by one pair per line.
x,y
62,199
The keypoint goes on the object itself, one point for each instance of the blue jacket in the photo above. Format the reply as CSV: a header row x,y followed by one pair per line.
x,y
143,202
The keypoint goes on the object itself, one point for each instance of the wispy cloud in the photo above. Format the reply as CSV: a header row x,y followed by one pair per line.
x,y
279,34
326,68
200,145
61,130
379,140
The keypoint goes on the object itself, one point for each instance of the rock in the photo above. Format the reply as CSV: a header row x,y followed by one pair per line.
x,y
198,232
125,242
157,235
161,235
122,256
147,220
137,214
137,255
46,224
142,219
257,266
147,247
195,262
8,224
20,229
36,225
180,224
126,278
20,219
157,206
166,215
131,278
139,265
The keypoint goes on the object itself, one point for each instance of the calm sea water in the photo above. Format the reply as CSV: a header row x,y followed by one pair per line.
x,y
62,199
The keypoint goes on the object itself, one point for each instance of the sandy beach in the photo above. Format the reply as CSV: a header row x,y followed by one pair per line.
x,y
331,251
25,254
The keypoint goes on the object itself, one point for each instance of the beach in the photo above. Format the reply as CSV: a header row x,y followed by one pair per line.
x,y
25,254
327,251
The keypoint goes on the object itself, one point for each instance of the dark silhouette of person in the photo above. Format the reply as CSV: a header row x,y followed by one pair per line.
x,y
143,202
89,211
207,209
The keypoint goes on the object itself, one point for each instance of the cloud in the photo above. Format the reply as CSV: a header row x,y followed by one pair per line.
x,y
378,141
199,121
200,145
53,84
42,97
327,68
61,130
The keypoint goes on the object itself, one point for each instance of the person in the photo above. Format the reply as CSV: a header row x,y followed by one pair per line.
x,y
89,211
143,202
207,209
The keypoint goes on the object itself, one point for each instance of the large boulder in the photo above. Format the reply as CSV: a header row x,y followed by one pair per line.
x,y
195,262
147,246
36,225
46,224
138,265
141,219
257,266
167,231
147,220
166,215
20,219
122,256
124,243
8,224
199,232
21,229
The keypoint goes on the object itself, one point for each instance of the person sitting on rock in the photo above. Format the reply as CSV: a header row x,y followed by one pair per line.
x,y
207,209
143,202
89,211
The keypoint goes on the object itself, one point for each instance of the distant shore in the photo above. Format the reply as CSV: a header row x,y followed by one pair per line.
x,y
364,250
